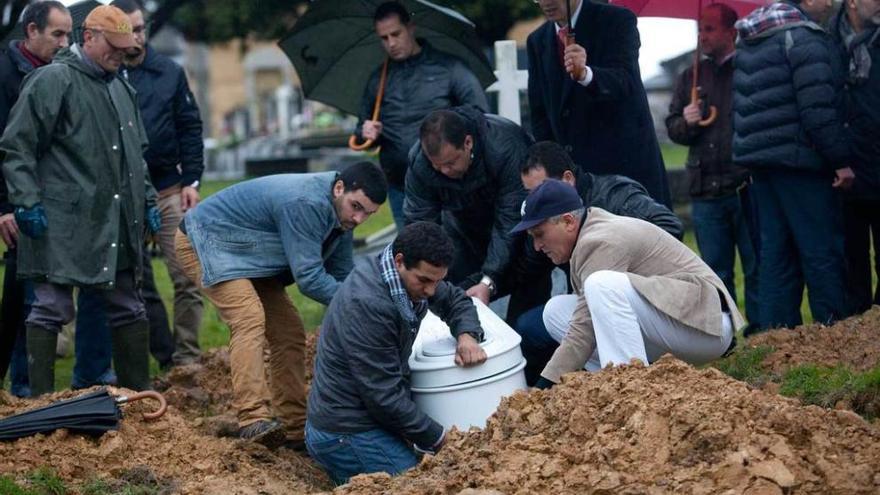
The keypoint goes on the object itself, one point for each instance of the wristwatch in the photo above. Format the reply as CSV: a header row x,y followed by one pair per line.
x,y
487,281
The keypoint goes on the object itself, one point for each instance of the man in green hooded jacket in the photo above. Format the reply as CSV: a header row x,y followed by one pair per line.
x,y
75,171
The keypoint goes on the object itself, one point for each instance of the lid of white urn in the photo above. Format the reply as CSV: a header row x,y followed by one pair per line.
x,y
432,362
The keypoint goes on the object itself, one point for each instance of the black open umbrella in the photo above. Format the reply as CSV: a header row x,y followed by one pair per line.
x,y
90,414
334,46
78,12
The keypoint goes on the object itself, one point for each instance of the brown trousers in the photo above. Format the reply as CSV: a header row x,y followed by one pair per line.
x,y
258,312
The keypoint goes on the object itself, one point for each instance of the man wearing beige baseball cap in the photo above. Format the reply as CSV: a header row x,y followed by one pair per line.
x,y
108,37
77,177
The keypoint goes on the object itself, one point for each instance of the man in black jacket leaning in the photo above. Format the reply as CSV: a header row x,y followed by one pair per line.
x,y
787,132
420,79
855,29
47,26
589,96
613,193
175,161
464,174
360,411
720,199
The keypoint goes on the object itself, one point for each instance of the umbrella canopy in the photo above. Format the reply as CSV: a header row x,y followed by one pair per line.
x,y
684,9
90,414
78,12
335,50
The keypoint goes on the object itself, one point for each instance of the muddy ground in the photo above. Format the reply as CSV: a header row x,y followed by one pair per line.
x,y
668,428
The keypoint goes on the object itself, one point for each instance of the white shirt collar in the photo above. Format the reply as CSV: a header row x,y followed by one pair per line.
x,y
574,16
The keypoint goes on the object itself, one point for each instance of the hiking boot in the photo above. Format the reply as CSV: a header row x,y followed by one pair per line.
x,y
266,432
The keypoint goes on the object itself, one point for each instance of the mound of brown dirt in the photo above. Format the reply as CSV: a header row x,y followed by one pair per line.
x,y
169,452
667,428
854,343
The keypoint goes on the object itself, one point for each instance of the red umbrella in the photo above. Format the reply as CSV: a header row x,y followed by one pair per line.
x,y
684,9
688,9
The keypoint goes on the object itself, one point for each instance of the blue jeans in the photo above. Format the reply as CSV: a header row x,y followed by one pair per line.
x,y
801,242
722,227
19,384
343,455
395,201
18,295
537,345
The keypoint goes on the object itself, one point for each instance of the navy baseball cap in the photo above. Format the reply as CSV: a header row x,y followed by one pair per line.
x,y
552,197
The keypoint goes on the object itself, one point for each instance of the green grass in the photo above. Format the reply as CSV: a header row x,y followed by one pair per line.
x,y
745,365
827,386
674,155
8,486
45,481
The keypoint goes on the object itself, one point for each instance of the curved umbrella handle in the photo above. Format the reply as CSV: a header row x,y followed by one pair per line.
x,y
352,141
355,146
152,394
713,114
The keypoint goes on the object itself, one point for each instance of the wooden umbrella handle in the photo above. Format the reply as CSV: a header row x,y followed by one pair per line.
x,y
151,394
713,112
352,140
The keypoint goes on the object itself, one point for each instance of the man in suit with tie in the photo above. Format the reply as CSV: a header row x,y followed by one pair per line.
x,y
588,95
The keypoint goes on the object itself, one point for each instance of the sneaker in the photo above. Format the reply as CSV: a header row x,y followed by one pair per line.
x,y
265,432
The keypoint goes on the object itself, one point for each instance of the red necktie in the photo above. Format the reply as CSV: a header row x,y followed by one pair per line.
x,y
561,36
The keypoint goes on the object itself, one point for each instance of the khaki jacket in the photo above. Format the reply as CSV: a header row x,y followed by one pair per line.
x,y
663,270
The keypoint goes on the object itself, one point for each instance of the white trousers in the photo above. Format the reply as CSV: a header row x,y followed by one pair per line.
x,y
627,326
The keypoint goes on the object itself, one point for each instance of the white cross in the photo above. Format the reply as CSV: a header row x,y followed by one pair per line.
x,y
510,80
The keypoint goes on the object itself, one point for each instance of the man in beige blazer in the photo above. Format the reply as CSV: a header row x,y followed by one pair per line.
x,y
639,292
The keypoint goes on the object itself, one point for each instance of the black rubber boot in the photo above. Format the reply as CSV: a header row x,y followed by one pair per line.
x,y
131,355
41,344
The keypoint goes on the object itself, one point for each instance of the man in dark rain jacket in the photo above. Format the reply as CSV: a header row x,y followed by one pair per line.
x,y
75,170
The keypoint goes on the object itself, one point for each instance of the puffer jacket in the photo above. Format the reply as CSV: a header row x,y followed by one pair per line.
x,y
625,197
787,83
431,80
486,201
862,109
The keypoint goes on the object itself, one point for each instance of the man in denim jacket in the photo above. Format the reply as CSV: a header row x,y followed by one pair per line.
x,y
242,246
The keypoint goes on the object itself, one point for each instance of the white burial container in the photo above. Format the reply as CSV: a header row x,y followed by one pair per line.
x,y
465,397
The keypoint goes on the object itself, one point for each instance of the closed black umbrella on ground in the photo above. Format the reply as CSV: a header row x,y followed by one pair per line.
x,y
90,414
334,47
